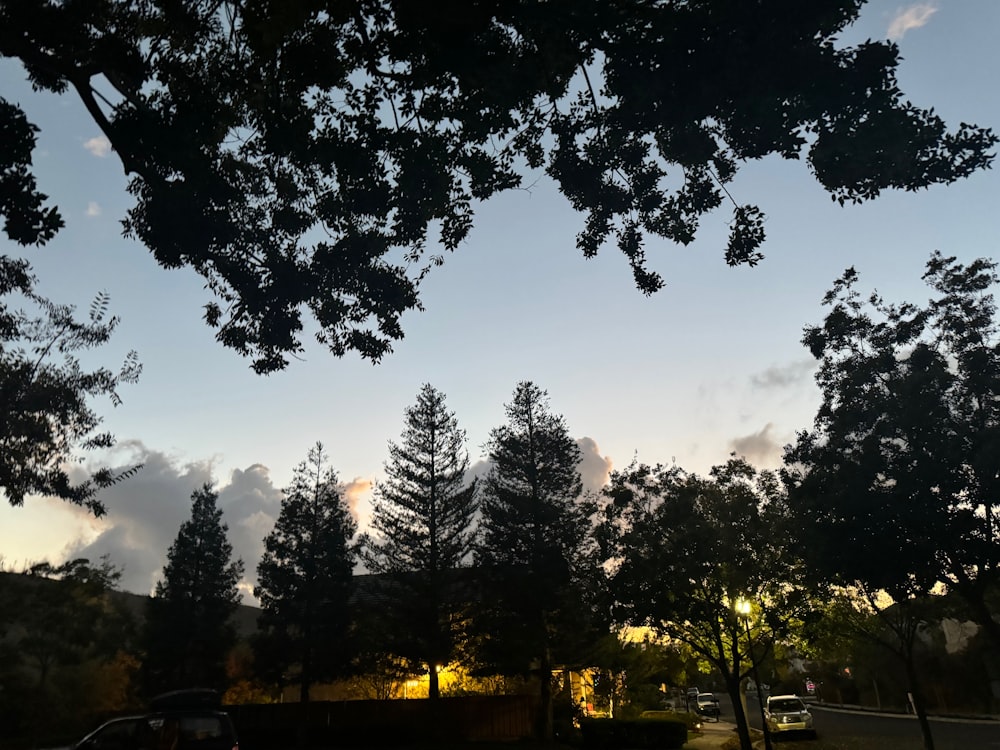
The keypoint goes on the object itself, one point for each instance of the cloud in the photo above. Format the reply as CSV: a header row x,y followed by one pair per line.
x,y
762,448
99,146
358,493
93,208
785,376
145,512
594,468
912,17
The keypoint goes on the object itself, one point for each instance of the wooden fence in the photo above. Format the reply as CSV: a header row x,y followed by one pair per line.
x,y
340,724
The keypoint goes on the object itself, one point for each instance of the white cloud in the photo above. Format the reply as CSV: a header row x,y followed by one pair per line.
x,y
145,512
912,17
594,468
358,493
762,448
99,146
93,208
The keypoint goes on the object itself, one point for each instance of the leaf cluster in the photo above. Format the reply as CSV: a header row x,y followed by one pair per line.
x,y
303,157
46,412
685,551
906,437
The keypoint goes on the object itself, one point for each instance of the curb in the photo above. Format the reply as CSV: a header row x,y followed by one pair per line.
x,y
860,711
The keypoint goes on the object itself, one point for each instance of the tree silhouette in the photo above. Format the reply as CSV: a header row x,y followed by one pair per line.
x,y
422,533
535,536
249,130
686,550
64,631
188,632
305,580
45,395
903,453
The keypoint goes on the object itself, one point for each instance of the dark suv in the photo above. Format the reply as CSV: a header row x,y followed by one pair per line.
x,y
181,720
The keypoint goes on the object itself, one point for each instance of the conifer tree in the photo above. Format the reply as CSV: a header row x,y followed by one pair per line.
x,y
305,580
188,630
534,549
423,523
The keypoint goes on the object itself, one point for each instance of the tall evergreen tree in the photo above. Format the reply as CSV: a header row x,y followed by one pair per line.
x,y
188,628
305,580
535,535
423,522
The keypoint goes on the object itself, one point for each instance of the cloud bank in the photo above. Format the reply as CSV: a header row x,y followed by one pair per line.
x,y
145,512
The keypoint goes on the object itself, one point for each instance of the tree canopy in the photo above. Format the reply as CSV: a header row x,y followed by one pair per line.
x,y
685,550
304,157
535,552
305,580
903,454
46,410
188,633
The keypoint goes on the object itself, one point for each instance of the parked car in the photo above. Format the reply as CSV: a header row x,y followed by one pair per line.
x,y
180,720
117,734
786,714
708,705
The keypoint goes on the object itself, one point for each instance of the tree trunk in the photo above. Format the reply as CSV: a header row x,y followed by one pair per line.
x,y
305,678
433,687
919,705
545,696
738,697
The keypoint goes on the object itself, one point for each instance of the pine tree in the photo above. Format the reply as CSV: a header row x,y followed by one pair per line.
x,y
305,580
535,538
188,628
423,522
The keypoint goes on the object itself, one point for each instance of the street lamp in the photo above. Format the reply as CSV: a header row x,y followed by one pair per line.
x,y
743,612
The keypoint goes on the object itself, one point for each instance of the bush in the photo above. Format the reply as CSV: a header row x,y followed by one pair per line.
x,y
610,734
689,718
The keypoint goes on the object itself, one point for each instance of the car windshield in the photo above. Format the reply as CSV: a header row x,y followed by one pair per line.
x,y
786,704
706,698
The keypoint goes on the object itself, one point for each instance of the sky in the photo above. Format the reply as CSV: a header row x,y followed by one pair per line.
x,y
711,364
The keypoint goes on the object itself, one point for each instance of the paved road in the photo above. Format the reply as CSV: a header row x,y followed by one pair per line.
x,y
897,732
948,734
891,730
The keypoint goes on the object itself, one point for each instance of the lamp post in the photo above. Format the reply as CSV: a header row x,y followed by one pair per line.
x,y
743,612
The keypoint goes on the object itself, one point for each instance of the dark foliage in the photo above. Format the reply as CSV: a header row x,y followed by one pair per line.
x,y
688,552
535,556
46,414
188,632
422,532
904,451
305,581
60,626
298,155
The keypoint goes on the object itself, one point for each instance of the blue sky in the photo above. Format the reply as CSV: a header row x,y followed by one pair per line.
x,y
711,364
